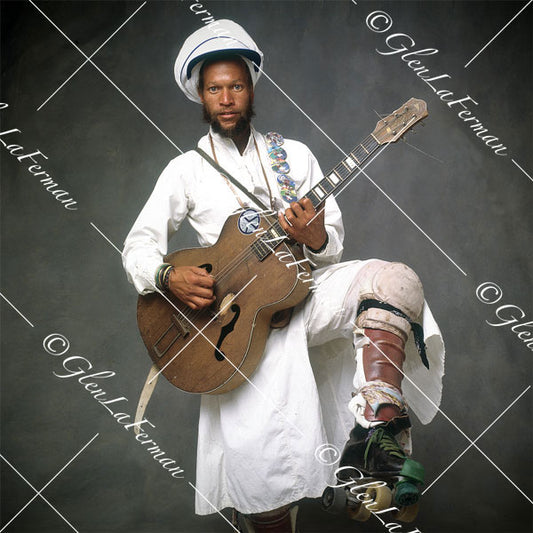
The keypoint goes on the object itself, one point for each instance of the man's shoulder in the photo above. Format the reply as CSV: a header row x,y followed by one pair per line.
x,y
184,161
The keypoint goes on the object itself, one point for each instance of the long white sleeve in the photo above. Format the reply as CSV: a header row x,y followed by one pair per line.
x,y
147,241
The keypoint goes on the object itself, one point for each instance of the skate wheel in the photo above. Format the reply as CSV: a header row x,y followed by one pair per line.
x,y
406,494
414,470
360,513
380,498
334,500
406,514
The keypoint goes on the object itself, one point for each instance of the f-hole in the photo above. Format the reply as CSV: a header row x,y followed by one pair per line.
x,y
207,266
225,331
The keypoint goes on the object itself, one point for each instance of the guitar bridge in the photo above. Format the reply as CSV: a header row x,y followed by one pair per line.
x,y
178,328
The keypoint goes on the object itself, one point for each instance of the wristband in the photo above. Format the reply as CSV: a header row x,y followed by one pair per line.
x,y
162,275
322,248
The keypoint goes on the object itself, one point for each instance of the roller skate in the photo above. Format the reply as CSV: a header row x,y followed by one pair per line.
x,y
376,476
375,473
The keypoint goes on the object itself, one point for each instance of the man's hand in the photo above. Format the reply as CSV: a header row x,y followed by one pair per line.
x,y
192,285
297,225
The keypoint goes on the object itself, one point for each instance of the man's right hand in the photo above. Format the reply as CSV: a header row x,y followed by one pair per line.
x,y
192,285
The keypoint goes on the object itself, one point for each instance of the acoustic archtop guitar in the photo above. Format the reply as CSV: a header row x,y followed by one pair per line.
x,y
257,272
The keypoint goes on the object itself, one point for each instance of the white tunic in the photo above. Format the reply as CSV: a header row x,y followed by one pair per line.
x,y
265,444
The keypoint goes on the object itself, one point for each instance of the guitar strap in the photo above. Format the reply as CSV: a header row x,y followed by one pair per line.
x,y
229,177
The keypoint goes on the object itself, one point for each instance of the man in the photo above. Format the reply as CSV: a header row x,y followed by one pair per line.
x,y
260,445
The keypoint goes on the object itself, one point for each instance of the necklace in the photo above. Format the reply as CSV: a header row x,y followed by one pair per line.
x,y
241,203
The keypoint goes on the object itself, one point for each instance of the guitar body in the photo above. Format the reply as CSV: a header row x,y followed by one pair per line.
x,y
248,291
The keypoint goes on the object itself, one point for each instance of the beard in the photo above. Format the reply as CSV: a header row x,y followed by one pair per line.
x,y
242,126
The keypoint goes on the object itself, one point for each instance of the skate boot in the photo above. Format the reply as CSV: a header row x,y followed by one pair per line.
x,y
375,474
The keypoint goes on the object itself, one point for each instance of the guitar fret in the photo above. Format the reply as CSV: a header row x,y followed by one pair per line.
x,y
318,191
341,171
350,162
333,178
338,173
370,143
360,155
316,200
326,186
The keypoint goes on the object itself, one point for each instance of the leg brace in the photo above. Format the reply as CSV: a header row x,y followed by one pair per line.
x,y
392,298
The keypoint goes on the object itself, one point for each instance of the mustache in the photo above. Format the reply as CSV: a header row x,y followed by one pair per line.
x,y
242,124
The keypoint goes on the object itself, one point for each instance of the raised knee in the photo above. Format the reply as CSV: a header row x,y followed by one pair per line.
x,y
398,286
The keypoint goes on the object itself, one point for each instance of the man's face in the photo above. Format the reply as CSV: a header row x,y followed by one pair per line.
x,y
227,97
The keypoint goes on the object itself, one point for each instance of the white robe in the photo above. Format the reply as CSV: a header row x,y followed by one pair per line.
x,y
273,441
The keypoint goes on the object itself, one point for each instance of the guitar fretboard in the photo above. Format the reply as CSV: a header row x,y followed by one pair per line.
x,y
334,179
265,244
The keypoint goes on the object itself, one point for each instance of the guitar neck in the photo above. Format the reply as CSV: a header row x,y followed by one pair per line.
x,y
331,183
339,175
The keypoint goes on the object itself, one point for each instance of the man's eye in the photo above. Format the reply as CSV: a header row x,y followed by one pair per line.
x,y
238,87
212,89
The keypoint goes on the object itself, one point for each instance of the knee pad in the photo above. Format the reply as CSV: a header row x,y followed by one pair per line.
x,y
398,286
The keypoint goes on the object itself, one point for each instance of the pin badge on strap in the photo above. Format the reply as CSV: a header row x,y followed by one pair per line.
x,y
278,162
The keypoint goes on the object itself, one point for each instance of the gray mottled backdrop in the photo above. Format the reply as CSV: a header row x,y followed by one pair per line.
x,y
444,202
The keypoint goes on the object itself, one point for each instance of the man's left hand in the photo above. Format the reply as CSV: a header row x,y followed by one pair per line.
x,y
302,223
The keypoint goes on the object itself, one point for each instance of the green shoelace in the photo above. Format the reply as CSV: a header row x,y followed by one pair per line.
x,y
386,442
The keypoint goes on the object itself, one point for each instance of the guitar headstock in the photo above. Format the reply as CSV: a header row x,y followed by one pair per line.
x,y
391,128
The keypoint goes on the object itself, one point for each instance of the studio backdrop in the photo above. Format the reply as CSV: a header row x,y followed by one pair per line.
x,y
91,114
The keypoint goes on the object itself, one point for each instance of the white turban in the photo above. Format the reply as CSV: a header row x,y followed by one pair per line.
x,y
221,36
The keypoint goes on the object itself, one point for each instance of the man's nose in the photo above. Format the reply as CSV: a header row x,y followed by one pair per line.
x,y
226,97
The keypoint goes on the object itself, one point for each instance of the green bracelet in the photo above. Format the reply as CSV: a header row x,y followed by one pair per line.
x,y
161,274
